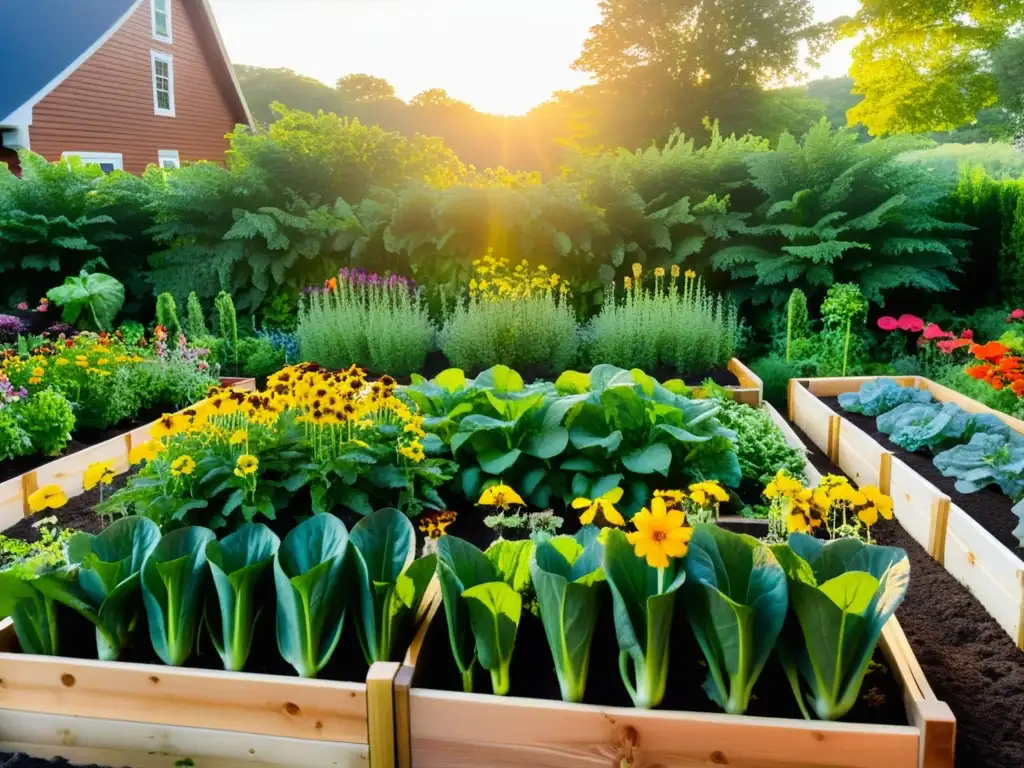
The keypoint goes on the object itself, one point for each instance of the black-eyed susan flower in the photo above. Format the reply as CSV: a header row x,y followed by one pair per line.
x,y
708,493
877,504
47,497
183,465
238,437
435,524
603,505
247,464
501,497
661,534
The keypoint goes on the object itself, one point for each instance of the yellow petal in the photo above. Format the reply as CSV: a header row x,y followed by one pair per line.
x,y
614,496
612,515
588,517
581,503
657,558
675,518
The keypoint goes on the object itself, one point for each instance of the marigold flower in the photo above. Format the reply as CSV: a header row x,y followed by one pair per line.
x,y
98,473
247,464
47,497
659,272
500,496
690,274
183,465
1018,387
168,425
603,504
675,271
703,494
980,372
660,534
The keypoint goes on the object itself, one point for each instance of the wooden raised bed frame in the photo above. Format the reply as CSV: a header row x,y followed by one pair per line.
x,y
751,388
436,729
993,573
67,471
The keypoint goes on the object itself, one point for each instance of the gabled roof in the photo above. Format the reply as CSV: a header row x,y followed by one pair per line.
x,y
43,41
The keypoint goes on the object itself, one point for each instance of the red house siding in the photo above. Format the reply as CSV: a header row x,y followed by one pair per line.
x,y
106,105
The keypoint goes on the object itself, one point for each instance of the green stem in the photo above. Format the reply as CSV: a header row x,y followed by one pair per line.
x,y
500,680
846,344
467,680
624,674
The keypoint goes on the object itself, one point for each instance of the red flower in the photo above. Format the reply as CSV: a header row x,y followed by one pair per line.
x,y
991,351
888,323
1018,387
967,334
911,323
997,384
22,306
1017,314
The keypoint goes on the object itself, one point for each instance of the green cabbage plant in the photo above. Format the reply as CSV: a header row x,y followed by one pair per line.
x,y
391,581
238,563
987,459
33,612
877,396
567,578
644,601
311,604
842,592
736,600
106,590
173,579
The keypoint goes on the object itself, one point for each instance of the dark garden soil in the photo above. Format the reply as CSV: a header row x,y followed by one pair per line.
x,y
24,761
970,662
83,438
989,506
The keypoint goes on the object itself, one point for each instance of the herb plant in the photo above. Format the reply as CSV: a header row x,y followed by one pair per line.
x,y
167,314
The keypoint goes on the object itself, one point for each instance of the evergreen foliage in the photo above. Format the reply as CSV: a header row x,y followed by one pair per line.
x,y
195,322
167,315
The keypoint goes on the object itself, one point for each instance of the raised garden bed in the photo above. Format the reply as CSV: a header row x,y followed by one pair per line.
x,y
972,545
439,725
67,471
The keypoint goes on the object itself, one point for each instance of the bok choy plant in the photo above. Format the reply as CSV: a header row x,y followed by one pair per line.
x,y
644,599
391,581
842,593
238,563
33,612
173,580
736,601
106,590
567,578
308,570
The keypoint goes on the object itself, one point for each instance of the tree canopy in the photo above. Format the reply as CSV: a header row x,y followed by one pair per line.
x,y
364,88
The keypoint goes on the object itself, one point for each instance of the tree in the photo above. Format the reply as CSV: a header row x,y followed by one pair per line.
x,y
926,65
435,97
1008,68
263,86
361,89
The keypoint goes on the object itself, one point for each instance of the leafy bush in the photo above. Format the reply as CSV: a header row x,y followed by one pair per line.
x,y
48,419
683,327
761,447
195,322
91,300
167,315
377,323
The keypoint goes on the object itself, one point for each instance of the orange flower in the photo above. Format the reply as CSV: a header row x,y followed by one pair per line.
x,y
1009,363
980,372
997,384
991,351
1018,387
332,284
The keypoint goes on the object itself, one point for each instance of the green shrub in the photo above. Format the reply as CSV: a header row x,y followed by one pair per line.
x,y
760,444
258,358
775,372
14,440
684,327
797,323
132,332
195,322
167,316
48,418
537,333
382,326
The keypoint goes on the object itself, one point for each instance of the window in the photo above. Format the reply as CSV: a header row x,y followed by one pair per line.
x,y
162,20
107,161
168,158
163,84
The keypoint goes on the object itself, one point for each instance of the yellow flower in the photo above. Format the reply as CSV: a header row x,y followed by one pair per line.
x,y
500,496
63,361
659,272
169,424
637,270
144,452
47,497
98,473
183,465
801,514
38,371
784,484
849,494
705,493
34,380
605,504
246,465
360,443
673,499
660,534
628,283
435,524
690,274
878,504
675,271
238,437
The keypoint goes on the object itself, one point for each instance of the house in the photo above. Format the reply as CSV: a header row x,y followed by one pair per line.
x,y
120,83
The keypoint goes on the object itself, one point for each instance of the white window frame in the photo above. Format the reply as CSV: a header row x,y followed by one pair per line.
x,y
169,37
168,156
168,59
115,159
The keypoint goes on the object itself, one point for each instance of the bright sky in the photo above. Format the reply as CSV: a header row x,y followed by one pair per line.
x,y
501,56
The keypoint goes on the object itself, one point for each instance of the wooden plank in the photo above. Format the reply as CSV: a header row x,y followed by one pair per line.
x,y
859,455
940,519
272,705
458,729
947,395
830,387
12,502
811,416
84,740
380,713
834,423
751,388
403,744
68,471
885,473
914,504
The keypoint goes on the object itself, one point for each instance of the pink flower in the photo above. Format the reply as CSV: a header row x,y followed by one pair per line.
x,y
23,305
1017,314
888,323
910,323
42,307
934,332
967,334
947,346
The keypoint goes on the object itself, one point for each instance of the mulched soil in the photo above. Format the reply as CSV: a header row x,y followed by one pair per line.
x,y
83,438
989,506
970,662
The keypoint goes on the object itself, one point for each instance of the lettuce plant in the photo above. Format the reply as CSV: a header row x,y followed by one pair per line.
x,y
644,601
842,593
173,580
311,605
987,459
106,590
736,603
567,578
880,395
391,581
238,563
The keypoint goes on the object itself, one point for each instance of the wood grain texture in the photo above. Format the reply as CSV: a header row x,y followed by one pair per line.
x,y
106,105
751,388
830,387
914,503
403,744
811,416
859,455
380,713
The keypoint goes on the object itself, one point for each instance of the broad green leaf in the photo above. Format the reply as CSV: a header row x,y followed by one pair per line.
x,y
452,379
34,614
497,463
572,383
511,560
547,444
656,457
95,299
461,566
494,612
501,378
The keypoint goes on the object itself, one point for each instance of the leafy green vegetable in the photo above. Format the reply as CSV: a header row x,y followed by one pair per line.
x,y
736,603
987,459
761,446
33,612
461,566
842,593
238,563
95,299
511,560
173,578
644,601
494,611
106,591
311,605
392,582
567,577
880,395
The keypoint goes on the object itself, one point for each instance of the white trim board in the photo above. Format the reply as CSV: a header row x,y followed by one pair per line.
x,y
67,71
169,38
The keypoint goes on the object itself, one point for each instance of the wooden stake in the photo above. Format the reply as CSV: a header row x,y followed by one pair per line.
x,y
834,423
29,485
380,713
885,473
940,521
